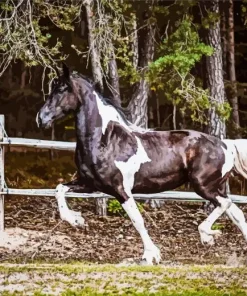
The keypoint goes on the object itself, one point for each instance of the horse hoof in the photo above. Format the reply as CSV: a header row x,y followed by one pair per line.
x,y
74,219
216,232
79,222
207,239
151,255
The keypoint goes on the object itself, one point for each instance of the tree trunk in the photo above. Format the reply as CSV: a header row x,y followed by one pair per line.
x,y
114,78
95,59
135,48
138,106
158,110
214,67
23,77
174,119
215,82
139,101
233,98
223,22
101,204
51,151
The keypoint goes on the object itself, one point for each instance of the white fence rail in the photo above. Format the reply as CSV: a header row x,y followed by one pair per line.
x,y
70,146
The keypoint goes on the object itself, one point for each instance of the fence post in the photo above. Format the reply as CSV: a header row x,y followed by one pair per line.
x,y
1,174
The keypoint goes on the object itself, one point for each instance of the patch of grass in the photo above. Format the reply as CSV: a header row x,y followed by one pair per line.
x,y
115,207
98,280
218,226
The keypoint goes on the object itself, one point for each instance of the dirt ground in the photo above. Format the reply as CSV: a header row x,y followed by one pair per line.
x,y
35,232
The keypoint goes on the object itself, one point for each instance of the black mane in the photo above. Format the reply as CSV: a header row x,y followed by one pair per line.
x,y
108,101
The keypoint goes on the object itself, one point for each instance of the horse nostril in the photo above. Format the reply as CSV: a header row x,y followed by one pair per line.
x,y
40,121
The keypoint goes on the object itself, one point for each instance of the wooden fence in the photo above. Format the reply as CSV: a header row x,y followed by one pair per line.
x,y
70,146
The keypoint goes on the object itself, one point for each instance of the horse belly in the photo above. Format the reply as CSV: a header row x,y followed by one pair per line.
x,y
155,183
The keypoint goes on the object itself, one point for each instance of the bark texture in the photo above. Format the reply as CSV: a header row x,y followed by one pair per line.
x,y
101,204
139,101
214,67
114,79
223,28
233,98
95,59
214,77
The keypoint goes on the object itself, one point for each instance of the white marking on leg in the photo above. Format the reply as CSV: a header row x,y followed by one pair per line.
x,y
128,170
237,217
150,250
74,218
229,160
204,228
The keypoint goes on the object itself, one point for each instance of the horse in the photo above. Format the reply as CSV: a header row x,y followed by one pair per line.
x,y
119,158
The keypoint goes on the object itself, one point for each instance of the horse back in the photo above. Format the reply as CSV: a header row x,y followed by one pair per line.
x,y
182,147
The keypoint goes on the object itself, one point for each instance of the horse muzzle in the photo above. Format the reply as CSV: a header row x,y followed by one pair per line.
x,y
42,122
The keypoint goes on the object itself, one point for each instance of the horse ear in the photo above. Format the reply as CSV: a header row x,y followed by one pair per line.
x,y
66,72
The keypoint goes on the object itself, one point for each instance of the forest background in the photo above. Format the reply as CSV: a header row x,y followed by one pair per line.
x,y
171,64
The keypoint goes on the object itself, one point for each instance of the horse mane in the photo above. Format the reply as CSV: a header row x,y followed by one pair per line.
x,y
123,112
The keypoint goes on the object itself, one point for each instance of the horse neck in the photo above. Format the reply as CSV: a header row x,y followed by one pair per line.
x,y
88,123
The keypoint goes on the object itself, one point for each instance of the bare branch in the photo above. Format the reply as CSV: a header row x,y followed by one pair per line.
x,y
21,37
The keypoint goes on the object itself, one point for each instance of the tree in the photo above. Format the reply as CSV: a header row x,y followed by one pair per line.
x,y
22,37
214,67
139,101
233,99
128,51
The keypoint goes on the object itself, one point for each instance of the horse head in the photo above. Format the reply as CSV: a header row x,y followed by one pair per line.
x,y
61,100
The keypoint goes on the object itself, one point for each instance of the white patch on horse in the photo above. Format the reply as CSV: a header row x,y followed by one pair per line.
x,y
74,218
151,252
109,113
131,166
238,146
205,228
229,160
128,170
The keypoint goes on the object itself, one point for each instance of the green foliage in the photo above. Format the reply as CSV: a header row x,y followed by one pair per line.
x,y
211,20
244,11
171,73
217,226
23,35
116,19
115,207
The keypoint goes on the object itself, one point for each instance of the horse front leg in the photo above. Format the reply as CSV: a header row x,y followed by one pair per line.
x,y
151,251
72,217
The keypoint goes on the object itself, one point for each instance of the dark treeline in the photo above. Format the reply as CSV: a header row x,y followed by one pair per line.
x,y
163,60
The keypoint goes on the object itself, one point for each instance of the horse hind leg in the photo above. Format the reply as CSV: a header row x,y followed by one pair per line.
x,y
221,202
205,228
238,218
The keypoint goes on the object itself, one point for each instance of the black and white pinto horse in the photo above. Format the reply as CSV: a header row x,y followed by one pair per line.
x,y
118,158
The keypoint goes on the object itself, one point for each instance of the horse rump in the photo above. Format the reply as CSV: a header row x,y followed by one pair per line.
x,y
239,149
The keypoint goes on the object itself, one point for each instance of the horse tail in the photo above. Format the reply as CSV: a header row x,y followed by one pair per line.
x,y
239,148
